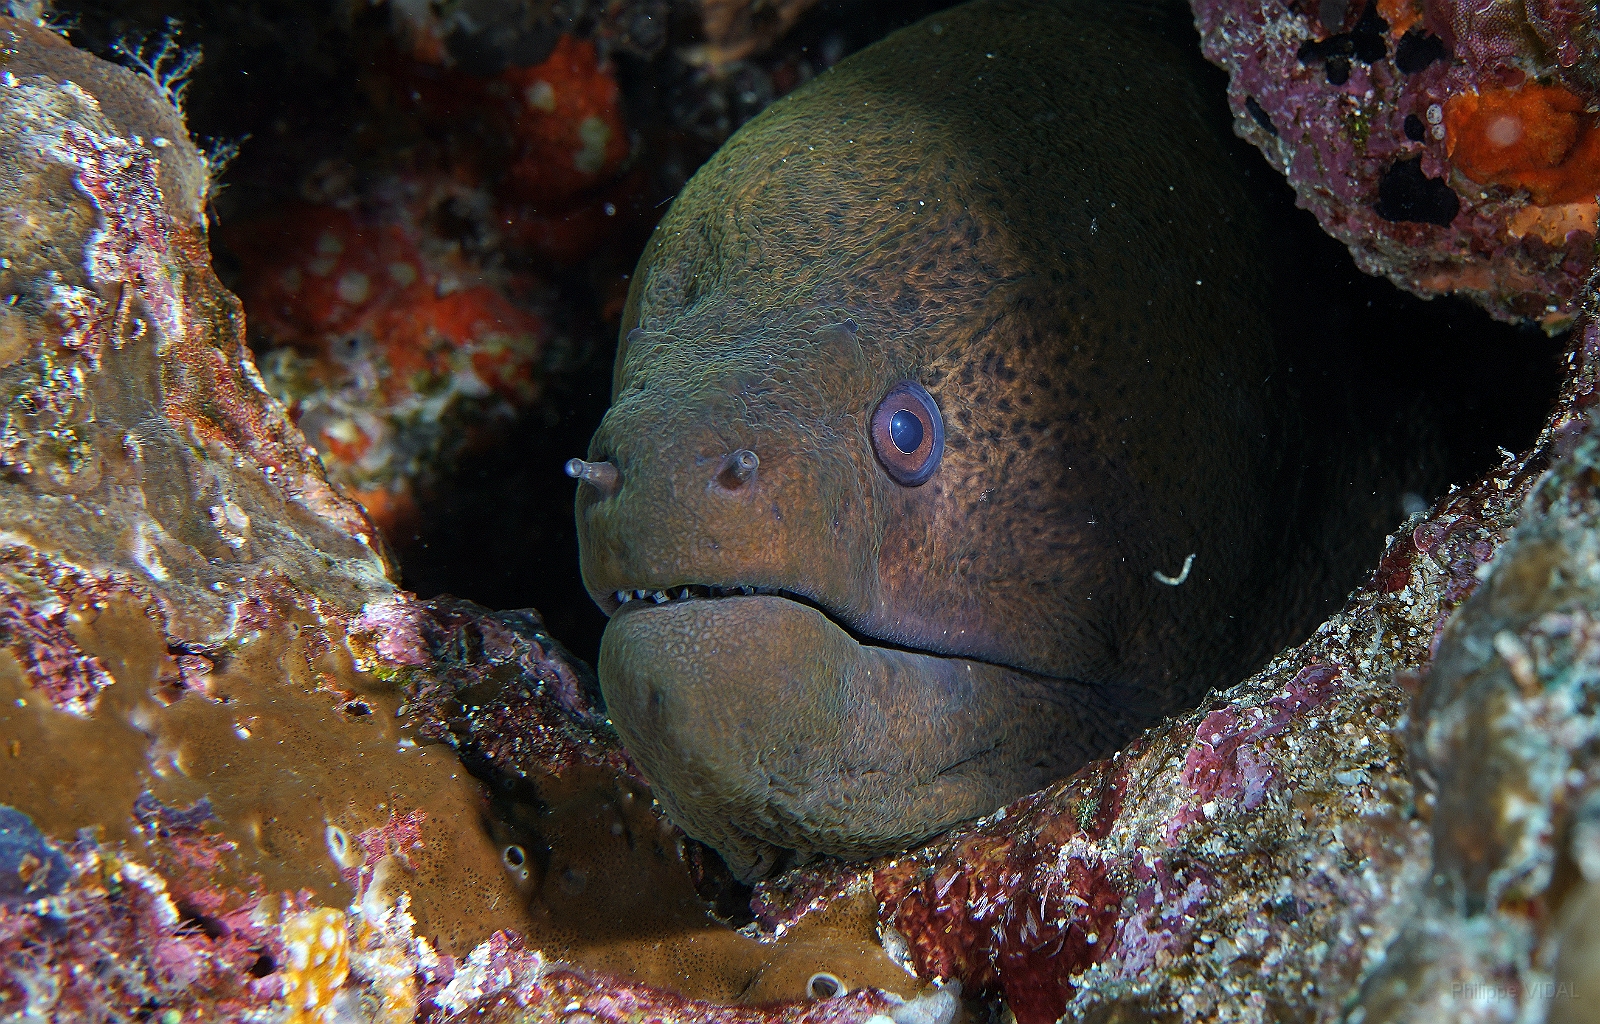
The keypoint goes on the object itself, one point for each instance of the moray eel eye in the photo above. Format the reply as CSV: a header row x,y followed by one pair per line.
x,y
908,433
905,430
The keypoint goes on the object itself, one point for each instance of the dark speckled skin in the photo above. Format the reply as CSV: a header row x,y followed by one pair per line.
x,y
1032,210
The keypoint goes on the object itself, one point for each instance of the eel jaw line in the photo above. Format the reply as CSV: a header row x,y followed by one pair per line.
x,y
619,601
693,592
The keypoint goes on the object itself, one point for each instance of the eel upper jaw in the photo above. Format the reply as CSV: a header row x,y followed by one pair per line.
x,y
618,602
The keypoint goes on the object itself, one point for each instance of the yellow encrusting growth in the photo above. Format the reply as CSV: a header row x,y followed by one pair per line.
x,y
319,961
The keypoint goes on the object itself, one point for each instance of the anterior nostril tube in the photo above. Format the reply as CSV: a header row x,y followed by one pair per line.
x,y
602,476
738,469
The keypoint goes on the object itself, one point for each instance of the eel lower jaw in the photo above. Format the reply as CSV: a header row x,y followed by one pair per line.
x,y
764,726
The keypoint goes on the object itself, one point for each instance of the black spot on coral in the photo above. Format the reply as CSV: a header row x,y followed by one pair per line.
x,y
1416,50
1406,194
1370,36
1367,43
1416,131
1259,113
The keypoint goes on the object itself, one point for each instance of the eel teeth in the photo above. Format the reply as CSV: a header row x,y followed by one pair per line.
x,y
684,593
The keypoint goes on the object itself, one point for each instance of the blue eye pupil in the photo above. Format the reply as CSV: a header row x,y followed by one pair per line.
x,y
905,430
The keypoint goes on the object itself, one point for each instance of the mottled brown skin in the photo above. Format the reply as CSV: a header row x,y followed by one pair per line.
x,y
1031,209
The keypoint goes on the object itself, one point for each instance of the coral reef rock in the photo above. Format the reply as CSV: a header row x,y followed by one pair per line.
x,y
1453,145
1504,741
176,579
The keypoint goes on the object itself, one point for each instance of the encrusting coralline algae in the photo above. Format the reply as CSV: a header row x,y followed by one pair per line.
x,y
1451,144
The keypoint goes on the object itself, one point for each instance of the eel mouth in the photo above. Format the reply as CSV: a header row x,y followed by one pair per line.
x,y
617,600
767,728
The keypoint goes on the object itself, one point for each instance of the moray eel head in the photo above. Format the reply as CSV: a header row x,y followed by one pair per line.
x,y
775,663
927,380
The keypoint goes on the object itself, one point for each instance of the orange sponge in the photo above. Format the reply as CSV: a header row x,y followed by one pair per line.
x,y
1535,137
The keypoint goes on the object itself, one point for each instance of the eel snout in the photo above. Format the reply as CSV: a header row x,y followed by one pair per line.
x,y
736,471
764,727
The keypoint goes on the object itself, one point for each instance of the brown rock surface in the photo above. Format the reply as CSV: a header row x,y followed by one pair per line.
x,y
176,573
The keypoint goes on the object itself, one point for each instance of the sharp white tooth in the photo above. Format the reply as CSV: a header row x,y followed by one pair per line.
x,y
623,597
747,590
684,593
659,596
640,593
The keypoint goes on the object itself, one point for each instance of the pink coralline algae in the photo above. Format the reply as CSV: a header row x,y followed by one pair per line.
x,y
43,647
449,655
134,944
1113,886
400,837
1223,764
119,177
1452,145
195,849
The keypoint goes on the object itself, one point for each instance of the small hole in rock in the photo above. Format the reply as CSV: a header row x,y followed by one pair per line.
x,y
193,919
338,844
824,986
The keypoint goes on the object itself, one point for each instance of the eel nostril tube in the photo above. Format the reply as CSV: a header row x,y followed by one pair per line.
x,y
602,476
738,469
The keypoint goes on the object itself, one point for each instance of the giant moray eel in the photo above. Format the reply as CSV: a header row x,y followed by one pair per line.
x,y
926,380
